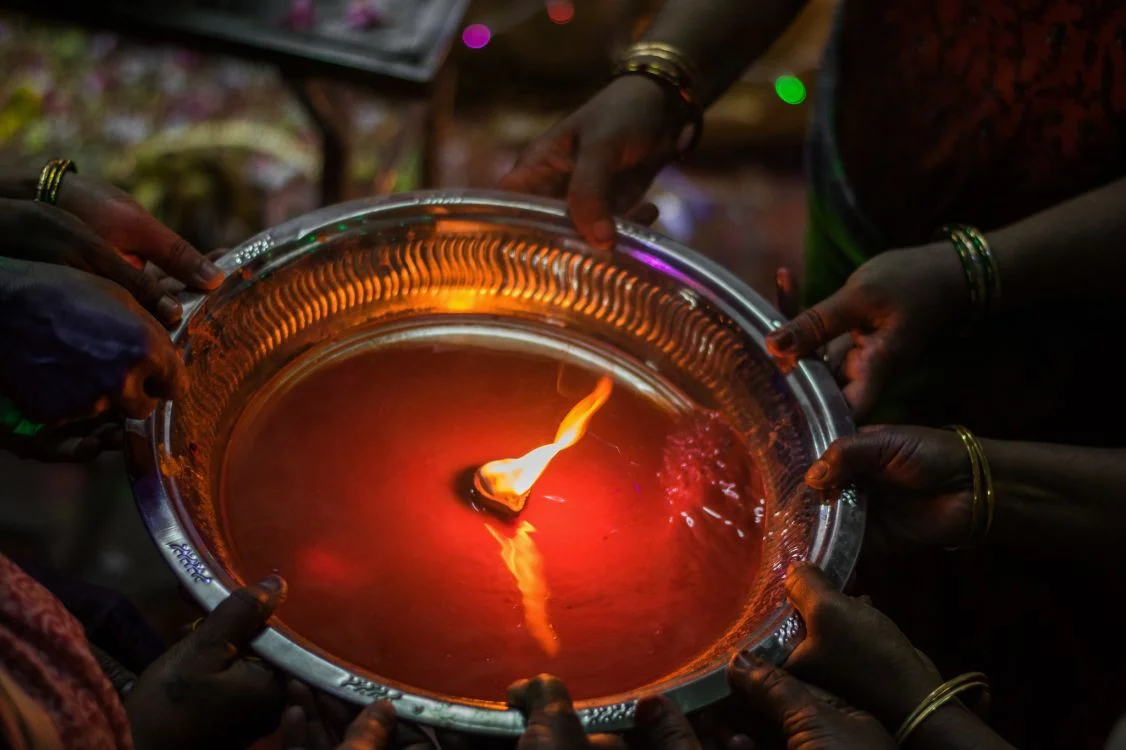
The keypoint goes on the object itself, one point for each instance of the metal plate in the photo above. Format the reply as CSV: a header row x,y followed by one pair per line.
x,y
652,310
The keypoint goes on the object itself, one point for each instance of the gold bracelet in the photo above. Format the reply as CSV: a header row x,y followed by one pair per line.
x,y
666,52
51,179
669,67
987,483
938,698
983,502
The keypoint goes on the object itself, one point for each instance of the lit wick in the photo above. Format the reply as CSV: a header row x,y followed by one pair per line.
x,y
506,483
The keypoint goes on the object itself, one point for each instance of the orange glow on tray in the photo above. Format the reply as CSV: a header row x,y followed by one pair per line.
x,y
636,550
509,480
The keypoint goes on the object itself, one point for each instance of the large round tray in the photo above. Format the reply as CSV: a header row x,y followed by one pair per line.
x,y
458,256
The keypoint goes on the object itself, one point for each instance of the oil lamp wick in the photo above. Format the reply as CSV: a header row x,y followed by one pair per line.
x,y
507,501
504,485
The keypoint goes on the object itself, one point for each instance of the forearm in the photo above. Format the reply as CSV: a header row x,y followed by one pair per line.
x,y
1058,499
1073,250
722,37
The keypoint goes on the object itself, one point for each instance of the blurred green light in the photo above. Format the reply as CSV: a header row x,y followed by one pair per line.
x,y
790,89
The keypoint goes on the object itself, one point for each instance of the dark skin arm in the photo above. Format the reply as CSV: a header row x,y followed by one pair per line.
x,y
896,304
722,37
1050,493
604,156
1070,251
1052,499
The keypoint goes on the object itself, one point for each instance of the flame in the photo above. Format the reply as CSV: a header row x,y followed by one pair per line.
x,y
510,479
524,562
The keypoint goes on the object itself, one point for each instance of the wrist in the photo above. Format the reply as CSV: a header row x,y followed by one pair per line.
x,y
670,72
19,180
950,301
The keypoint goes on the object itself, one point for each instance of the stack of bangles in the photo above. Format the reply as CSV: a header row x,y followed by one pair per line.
x,y
670,68
981,508
51,179
978,267
938,698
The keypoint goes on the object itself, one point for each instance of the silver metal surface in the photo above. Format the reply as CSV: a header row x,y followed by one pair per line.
x,y
474,257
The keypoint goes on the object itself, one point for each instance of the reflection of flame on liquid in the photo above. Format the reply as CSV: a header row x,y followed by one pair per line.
x,y
509,480
524,562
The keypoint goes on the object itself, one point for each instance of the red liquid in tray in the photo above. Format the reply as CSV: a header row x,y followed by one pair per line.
x,y
648,529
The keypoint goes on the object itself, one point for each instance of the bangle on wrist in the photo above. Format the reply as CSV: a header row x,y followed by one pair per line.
x,y
978,266
938,698
983,502
674,72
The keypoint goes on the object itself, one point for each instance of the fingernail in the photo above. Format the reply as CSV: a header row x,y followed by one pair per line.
x,y
817,473
746,660
603,232
649,710
782,278
275,586
208,272
782,339
169,309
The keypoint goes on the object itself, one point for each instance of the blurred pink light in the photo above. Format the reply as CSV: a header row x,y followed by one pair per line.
x,y
476,35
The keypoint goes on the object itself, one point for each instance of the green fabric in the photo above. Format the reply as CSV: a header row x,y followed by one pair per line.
x,y
13,421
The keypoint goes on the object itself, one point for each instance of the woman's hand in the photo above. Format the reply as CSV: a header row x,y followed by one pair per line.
x,y
918,480
552,723
76,345
371,730
807,718
98,228
854,651
604,156
204,692
314,721
892,306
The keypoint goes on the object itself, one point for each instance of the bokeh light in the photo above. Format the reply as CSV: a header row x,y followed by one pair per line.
x,y
790,89
476,35
560,11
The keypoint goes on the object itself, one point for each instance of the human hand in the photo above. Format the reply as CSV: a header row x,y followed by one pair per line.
x,y
552,723
315,721
121,222
101,230
808,719
204,692
919,483
371,730
604,156
77,345
892,307
855,651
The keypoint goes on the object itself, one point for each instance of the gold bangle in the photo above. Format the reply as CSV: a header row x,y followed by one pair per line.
x,y
51,179
938,698
983,501
666,52
666,66
975,472
987,483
